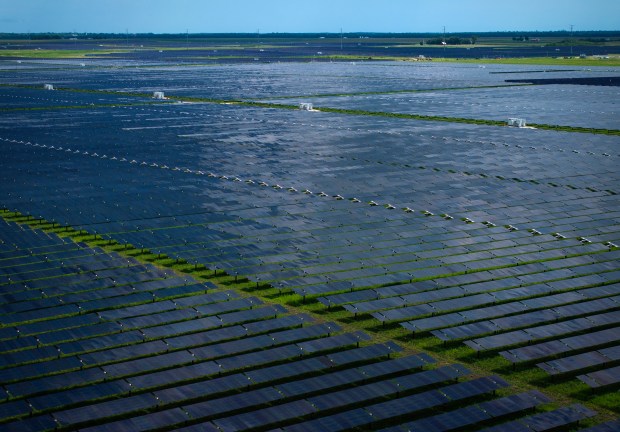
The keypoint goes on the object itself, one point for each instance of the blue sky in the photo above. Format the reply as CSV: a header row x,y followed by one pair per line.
x,y
222,16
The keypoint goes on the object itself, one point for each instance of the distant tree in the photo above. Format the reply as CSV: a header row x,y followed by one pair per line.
x,y
435,41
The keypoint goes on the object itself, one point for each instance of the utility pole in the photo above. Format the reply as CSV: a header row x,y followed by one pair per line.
x,y
187,39
340,38
444,41
571,40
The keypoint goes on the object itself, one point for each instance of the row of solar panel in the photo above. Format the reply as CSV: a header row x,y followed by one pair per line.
x,y
589,193
122,374
535,317
589,223
462,318
494,282
476,301
201,252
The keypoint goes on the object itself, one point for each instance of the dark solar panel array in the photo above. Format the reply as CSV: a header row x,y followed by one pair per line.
x,y
602,378
610,426
577,362
510,229
547,421
201,356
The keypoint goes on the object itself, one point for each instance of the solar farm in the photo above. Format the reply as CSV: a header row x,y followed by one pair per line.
x,y
397,258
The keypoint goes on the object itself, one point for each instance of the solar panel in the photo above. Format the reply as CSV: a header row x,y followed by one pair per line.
x,y
228,306
384,410
332,342
112,302
355,296
30,305
195,300
144,422
75,396
55,382
550,420
266,416
281,323
610,426
424,324
362,354
601,378
176,375
455,419
179,328
15,358
262,357
581,361
561,346
490,312
43,422
123,352
201,427
251,315
471,388
286,370
361,394
142,365
143,309
465,331
104,410
71,322
403,313
532,334
341,421
39,314
100,342
182,291
247,401
155,319
13,409
18,344
37,369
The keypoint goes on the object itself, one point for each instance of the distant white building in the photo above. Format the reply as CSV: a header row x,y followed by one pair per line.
x,y
48,87
305,106
158,95
516,122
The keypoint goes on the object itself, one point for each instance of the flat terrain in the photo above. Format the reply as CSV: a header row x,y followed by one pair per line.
x,y
396,258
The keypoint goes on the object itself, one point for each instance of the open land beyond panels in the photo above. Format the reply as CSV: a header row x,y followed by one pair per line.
x,y
310,232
